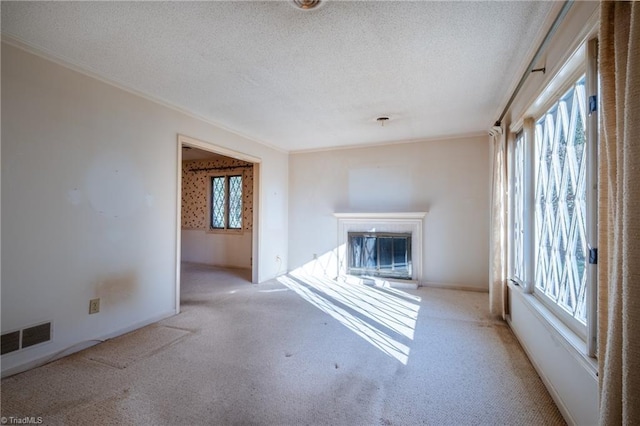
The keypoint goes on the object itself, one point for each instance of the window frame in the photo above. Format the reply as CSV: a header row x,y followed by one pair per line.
x,y
581,62
227,178
518,273
554,306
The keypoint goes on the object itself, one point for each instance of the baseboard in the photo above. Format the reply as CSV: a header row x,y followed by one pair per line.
x,y
564,410
138,325
211,265
533,326
80,346
453,287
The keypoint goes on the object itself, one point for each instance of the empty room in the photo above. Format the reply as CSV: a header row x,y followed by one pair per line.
x,y
320,212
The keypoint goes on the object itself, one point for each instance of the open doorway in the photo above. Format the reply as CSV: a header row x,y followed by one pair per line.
x,y
217,209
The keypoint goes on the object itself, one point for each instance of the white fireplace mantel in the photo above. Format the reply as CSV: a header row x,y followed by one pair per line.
x,y
382,216
407,222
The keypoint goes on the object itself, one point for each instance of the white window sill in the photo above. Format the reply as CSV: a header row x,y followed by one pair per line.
x,y
573,343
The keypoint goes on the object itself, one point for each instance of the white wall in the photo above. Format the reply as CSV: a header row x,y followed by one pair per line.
x,y
447,178
569,378
89,204
566,373
229,250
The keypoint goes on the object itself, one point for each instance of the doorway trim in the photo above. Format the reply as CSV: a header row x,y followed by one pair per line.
x,y
184,140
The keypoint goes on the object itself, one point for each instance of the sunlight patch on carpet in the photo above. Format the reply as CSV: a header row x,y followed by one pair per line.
x,y
371,313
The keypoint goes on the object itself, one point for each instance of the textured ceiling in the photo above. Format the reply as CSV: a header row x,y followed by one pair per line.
x,y
297,79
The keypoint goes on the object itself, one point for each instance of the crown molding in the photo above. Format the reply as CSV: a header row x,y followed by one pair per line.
x,y
84,70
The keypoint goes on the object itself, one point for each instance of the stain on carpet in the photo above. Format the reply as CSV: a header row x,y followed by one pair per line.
x,y
137,345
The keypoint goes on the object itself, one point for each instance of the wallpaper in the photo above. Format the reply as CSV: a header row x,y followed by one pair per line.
x,y
197,184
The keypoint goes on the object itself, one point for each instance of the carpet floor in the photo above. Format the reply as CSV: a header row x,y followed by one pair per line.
x,y
298,350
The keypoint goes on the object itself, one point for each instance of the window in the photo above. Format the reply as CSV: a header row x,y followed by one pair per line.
x,y
560,203
518,209
226,202
553,210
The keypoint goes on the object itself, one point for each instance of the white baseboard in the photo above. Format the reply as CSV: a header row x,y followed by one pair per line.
x,y
80,346
453,287
555,395
212,265
567,373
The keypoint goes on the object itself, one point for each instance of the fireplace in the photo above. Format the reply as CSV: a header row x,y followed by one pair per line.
x,y
385,245
379,254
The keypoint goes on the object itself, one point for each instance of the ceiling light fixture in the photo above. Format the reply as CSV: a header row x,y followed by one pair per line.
x,y
306,4
382,120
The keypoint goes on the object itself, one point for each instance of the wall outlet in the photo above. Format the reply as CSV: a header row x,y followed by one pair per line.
x,y
278,259
315,256
94,306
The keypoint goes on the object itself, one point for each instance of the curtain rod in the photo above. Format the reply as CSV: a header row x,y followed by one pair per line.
x,y
554,27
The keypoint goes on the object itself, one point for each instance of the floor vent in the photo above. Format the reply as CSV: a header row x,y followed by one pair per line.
x,y
10,342
36,334
26,337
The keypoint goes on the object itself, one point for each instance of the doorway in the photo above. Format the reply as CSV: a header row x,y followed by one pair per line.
x,y
217,216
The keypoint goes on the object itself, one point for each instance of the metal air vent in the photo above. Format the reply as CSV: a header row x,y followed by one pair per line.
x,y
36,334
21,339
10,342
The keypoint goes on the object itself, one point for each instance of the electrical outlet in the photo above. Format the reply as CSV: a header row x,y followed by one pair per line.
x,y
315,256
94,306
278,259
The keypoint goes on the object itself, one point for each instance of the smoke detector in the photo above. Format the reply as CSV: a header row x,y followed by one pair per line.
x,y
306,4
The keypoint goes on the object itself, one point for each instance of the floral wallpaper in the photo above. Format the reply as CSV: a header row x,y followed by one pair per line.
x,y
197,184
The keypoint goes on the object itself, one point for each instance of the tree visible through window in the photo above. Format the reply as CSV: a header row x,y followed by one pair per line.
x,y
226,202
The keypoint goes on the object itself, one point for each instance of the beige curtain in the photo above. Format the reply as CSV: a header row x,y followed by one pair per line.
x,y
619,210
497,234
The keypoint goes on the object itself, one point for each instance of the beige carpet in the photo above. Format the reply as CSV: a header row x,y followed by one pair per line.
x,y
299,351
